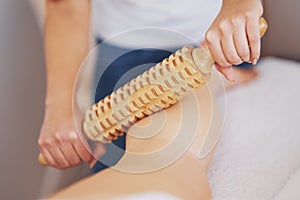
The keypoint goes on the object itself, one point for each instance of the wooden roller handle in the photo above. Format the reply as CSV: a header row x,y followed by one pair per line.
x,y
158,88
42,160
263,26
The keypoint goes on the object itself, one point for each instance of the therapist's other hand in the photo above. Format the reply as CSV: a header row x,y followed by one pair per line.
x,y
59,141
234,36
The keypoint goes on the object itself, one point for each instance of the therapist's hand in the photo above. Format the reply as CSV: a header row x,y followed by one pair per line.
x,y
234,37
60,143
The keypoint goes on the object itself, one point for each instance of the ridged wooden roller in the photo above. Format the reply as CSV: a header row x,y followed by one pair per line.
x,y
158,88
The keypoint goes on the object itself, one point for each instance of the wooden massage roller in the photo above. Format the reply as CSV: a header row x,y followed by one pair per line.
x,y
158,88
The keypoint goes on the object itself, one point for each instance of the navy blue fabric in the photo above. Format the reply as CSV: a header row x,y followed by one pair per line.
x,y
244,65
111,77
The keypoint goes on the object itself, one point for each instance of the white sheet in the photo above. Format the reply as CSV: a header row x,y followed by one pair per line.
x,y
259,149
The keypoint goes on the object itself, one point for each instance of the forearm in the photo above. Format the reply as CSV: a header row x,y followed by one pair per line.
x,y
66,43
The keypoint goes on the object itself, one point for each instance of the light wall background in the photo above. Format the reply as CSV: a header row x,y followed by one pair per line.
x,y
22,91
283,37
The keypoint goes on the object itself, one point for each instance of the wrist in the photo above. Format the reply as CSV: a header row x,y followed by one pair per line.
x,y
230,7
60,100
59,93
63,104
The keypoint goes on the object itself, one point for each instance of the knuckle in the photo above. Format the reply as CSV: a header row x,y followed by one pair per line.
x,y
254,38
249,15
66,137
244,53
237,61
72,136
224,27
47,142
237,21
210,36
41,143
58,137
234,59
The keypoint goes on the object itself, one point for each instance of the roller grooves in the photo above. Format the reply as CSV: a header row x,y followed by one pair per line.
x,y
158,88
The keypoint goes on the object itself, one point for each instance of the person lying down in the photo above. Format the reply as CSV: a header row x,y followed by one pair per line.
x,y
182,178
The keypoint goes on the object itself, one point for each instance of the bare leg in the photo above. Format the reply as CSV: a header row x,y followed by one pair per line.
x,y
185,178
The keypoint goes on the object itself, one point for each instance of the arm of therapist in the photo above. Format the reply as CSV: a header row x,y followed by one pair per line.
x,y
67,28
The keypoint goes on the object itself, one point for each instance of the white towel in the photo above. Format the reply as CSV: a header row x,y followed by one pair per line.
x,y
259,149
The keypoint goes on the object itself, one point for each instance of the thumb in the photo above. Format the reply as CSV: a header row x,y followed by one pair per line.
x,y
227,72
98,152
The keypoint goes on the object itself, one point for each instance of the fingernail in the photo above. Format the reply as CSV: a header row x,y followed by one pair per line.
x,y
230,77
254,62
